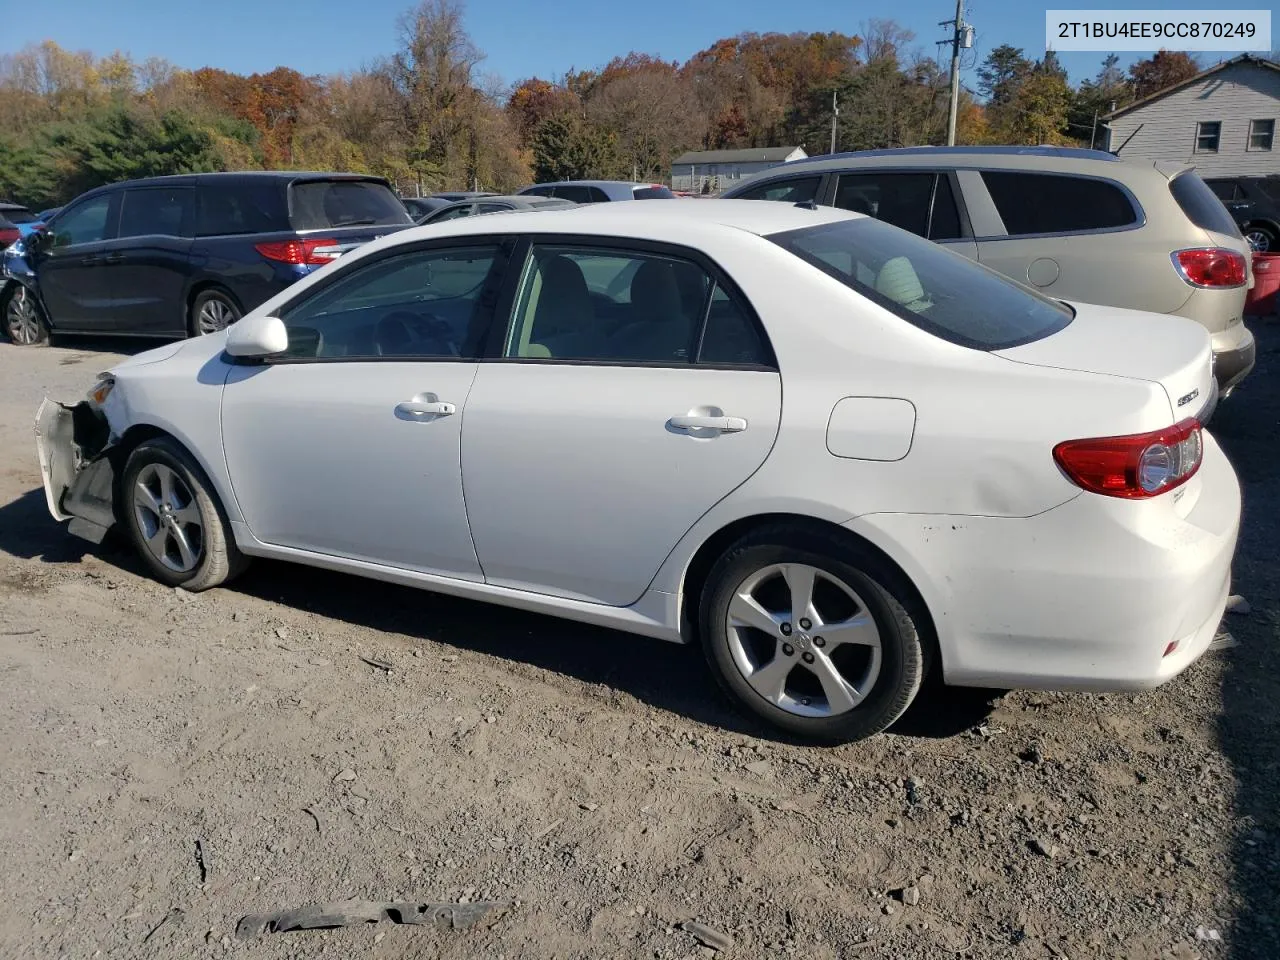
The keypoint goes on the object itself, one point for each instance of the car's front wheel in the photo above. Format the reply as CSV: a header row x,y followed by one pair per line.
x,y
174,519
24,322
812,635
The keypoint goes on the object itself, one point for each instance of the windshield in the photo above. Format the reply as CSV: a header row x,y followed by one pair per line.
x,y
652,193
325,204
927,285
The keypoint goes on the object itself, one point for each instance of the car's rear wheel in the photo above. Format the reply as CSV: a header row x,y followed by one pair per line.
x,y
24,322
211,311
1261,239
174,519
812,635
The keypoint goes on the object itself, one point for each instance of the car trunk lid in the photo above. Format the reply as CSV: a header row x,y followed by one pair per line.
x,y
1170,351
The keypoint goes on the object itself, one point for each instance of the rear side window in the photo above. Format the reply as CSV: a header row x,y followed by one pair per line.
x,y
919,202
796,190
157,211
225,208
729,337
927,285
1032,203
17,215
1224,190
581,194
1270,186
652,193
1201,206
326,204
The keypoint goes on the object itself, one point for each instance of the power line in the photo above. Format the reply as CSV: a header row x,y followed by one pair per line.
x,y
961,39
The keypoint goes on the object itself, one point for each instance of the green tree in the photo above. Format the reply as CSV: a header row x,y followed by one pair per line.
x,y
1038,113
565,148
1001,74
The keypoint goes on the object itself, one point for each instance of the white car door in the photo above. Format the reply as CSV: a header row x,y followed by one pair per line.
x,y
611,422
348,444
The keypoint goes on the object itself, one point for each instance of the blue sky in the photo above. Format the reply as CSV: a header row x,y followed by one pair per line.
x,y
520,38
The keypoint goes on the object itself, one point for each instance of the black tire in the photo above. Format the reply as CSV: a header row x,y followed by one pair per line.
x,y
213,302
905,656
16,302
1266,238
217,558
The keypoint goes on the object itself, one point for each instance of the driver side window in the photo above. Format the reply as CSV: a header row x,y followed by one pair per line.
x,y
86,223
426,304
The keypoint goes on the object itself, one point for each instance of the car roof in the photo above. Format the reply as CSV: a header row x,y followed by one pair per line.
x,y
1045,159
643,221
233,176
7,205
595,183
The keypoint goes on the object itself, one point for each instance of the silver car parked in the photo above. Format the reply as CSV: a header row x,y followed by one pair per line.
x,y
599,191
1076,224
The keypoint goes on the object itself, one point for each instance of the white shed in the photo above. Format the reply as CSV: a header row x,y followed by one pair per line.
x,y
713,171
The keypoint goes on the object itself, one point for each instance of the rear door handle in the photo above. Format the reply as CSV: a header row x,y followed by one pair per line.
x,y
722,424
414,409
114,257
90,260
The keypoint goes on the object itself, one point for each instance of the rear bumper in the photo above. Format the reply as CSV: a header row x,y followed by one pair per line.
x,y
1097,594
1232,364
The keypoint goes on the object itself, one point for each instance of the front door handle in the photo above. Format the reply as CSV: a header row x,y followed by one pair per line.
x,y
416,409
90,260
722,424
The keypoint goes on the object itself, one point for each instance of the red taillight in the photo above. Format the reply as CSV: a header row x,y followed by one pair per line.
x,y
8,236
1211,267
1136,467
309,252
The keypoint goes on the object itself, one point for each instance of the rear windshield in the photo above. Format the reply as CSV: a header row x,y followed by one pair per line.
x,y
17,215
325,204
652,193
1201,205
927,285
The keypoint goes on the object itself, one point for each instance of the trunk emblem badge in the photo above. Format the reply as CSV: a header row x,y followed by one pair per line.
x,y
1183,401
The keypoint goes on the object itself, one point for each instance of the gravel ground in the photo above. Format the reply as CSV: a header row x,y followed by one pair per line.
x,y
594,779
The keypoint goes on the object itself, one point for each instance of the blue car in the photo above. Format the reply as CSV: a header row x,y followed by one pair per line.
x,y
184,255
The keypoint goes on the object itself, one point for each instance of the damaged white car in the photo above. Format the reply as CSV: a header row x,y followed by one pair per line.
x,y
836,455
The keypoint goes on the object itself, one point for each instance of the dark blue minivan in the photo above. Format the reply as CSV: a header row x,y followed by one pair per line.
x,y
185,255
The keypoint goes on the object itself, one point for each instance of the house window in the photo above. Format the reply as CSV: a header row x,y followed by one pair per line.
x,y
1261,133
1207,137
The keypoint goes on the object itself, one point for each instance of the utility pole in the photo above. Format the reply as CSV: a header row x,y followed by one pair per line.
x,y
835,115
961,39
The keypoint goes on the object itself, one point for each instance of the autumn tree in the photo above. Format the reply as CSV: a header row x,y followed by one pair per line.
x,y
1164,69
1038,112
651,111
532,101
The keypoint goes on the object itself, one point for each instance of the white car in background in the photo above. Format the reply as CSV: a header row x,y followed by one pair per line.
x,y
835,454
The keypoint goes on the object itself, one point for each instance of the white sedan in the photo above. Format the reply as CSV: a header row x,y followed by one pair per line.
x,y
838,456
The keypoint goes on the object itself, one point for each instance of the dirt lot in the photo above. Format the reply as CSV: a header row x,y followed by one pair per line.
x,y
594,779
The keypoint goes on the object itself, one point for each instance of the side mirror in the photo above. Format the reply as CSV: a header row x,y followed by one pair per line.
x,y
257,337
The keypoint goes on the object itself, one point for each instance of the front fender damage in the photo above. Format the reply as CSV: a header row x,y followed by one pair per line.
x,y
75,445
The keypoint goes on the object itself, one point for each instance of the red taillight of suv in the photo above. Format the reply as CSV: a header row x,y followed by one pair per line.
x,y
1211,267
9,235
300,252
1135,467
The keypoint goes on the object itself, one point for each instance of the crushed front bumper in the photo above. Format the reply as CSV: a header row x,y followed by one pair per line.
x,y
72,442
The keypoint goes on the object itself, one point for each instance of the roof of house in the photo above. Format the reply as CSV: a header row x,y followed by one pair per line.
x,y
1244,58
749,155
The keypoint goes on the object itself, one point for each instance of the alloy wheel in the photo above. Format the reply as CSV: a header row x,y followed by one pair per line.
x,y
168,518
22,318
1259,241
804,640
214,315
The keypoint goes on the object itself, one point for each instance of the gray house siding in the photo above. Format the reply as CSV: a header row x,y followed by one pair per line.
x,y
1166,127
716,177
